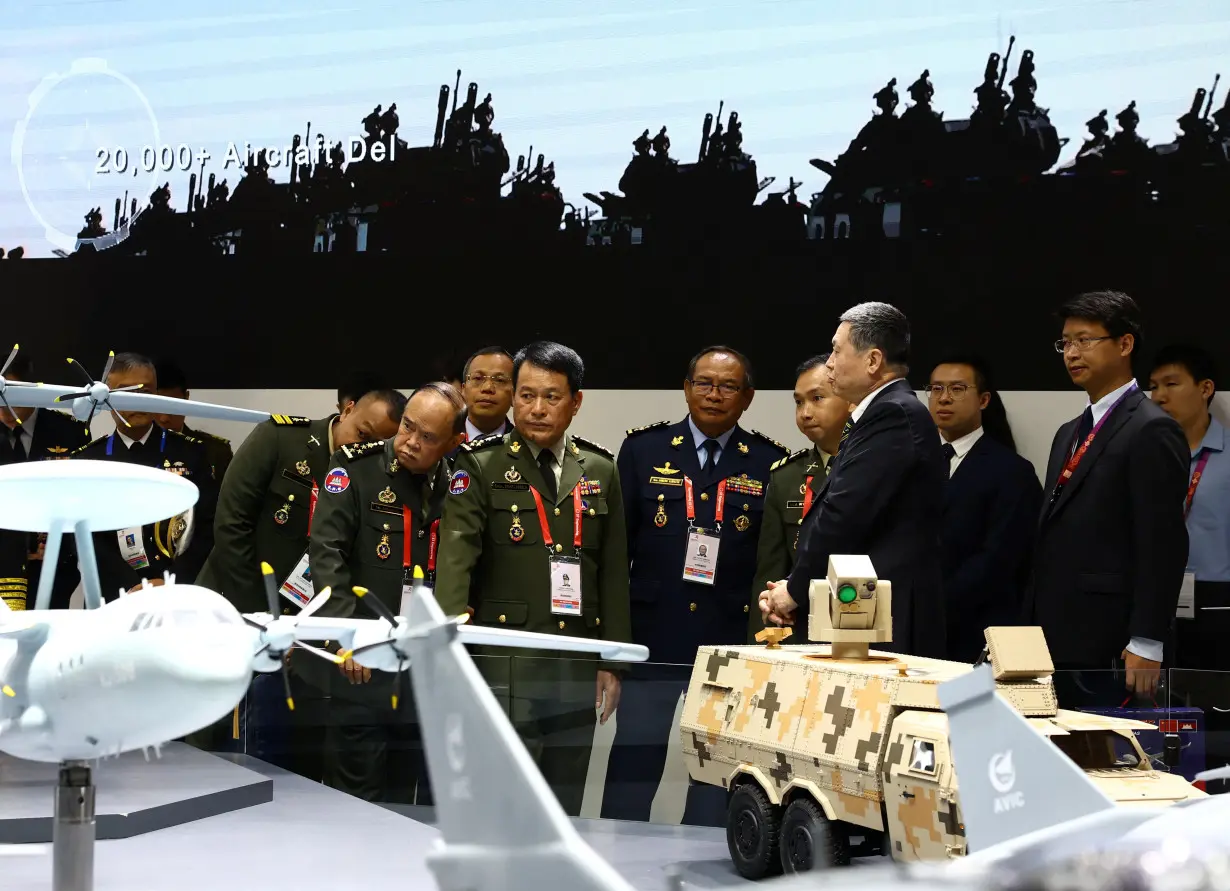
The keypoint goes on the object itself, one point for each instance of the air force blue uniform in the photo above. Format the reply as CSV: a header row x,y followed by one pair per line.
x,y
671,616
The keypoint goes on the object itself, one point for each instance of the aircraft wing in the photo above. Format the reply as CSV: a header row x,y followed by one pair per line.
x,y
165,405
19,394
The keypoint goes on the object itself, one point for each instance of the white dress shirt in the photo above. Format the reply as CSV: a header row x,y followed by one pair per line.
x,y
128,441
961,445
473,433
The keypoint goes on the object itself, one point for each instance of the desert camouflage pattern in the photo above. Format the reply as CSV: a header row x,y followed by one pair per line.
x,y
867,741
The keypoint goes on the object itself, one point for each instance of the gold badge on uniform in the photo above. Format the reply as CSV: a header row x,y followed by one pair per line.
x,y
742,449
667,469
516,531
659,519
393,465
515,447
282,514
677,441
742,523
802,488
512,476
387,496
383,550
303,468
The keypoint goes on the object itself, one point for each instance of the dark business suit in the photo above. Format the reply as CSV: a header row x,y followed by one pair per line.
x,y
1112,546
884,498
991,504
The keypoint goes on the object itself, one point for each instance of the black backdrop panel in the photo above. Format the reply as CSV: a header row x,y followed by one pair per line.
x,y
635,316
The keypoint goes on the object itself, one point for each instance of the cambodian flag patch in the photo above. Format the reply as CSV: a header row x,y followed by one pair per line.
x,y
337,481
459,483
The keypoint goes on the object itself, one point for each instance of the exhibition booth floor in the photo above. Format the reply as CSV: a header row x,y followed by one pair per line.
x,y
312,837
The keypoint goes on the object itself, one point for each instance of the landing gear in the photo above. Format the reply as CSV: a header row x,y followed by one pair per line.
x,y
752,826
808,839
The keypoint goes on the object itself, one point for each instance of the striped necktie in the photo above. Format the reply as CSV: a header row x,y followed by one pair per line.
x,y
845,434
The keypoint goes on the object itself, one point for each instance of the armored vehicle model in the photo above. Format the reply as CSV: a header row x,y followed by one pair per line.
x,y
832,751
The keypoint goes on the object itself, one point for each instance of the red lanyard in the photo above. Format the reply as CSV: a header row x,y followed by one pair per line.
x,y
1191,488
312,507
691,501
576,517
1075,460
407,539
807,496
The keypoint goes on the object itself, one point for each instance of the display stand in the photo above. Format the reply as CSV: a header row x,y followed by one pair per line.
x,y
72,850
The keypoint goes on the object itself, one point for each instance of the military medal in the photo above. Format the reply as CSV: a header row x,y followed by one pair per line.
x,y
512,476
742,523
659,519
516,531
282,514
383,550
387,496
302,468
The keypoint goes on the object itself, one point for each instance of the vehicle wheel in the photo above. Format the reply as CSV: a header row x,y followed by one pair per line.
x,y
752,824
809,839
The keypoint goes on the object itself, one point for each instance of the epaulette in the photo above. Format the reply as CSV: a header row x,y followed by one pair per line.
x,y
290,420
654,425
483,442
770,440
782,462
593,446
363,449
184,436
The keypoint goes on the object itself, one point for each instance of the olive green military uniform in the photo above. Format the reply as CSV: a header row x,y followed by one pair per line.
x,y
491,540
217,450
783,515
264,507
264,504
370,507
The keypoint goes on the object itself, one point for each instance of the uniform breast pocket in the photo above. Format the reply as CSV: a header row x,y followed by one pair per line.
x,y
380,540
514,519
593,520
663,508
288,504
745,512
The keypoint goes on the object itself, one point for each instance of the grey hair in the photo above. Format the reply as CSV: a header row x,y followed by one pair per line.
x,y
132,362
883,327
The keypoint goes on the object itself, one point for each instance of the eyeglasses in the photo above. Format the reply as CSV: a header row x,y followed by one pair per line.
x,y
1082,344
704,388
956,391
498,379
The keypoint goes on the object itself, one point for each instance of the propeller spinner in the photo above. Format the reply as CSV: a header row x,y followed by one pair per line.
x,y
278,633
97,392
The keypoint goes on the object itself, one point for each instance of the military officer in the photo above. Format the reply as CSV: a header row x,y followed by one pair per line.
x,y
794,481
34,434
128,558
378,518
173,383
694,497
535,520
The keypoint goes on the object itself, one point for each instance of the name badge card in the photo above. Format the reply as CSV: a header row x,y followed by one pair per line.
x,y
700,563
298,587
132,546
1187,597
565,586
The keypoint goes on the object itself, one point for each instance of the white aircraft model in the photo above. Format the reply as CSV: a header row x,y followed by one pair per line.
x,y
85,403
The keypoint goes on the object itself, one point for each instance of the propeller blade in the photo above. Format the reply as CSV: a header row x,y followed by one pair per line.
x,y
89,381
335,658
376,606
5,402
69,397
129,387
290,700
262,650
315,603
271,589
257,625
350,654
107,367
8,691
108,404
9,360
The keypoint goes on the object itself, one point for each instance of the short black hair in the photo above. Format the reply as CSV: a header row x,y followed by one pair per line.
x,y
748,380
170,376
453,395
1197,361
808,364
980,366
22,368
883,327
485,351
356,385
553,357
1114,310
132,362
994,416
394,402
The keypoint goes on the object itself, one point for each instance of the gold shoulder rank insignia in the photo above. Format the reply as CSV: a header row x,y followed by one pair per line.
x,y
635,430
363,449
592,446
782,462
290,420
185,437
771,441
483,442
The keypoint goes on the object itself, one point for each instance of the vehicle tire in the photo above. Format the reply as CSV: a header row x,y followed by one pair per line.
x,y
752,824
809,840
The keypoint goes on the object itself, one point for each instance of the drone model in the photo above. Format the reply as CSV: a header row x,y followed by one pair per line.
x,y
85,403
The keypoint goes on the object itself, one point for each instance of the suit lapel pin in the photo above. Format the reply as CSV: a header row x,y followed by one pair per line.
x,y
677,441
742,449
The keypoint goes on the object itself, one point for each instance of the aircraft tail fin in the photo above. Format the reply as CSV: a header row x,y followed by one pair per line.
x,y
1005,766
501,824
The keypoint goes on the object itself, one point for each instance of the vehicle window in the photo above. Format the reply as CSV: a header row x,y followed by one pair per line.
x,y
922,756
1099,750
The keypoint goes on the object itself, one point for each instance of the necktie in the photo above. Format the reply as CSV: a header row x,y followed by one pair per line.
x,y
136,450
546,461
845,433
949,451
1084,427
21,447
711,447
828,465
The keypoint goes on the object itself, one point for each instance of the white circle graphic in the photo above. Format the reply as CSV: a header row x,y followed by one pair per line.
x,y
1001,773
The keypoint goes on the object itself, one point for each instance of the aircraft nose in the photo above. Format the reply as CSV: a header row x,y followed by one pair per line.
x,y
216,658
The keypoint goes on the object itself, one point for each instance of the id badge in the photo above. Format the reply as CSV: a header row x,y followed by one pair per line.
x,y
132,546
700,561
565,586
1187,597
298,587
407,593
